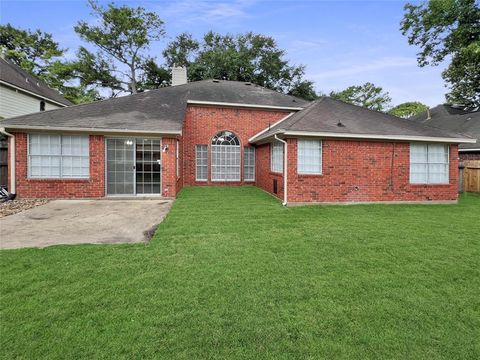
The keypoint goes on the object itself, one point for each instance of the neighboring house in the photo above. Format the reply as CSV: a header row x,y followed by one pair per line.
x,y
217,132
20,94
458,119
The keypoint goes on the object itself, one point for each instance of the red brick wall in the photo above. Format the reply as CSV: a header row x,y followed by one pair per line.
x,y
470,156
61,188
263,174
202,123
170,183
355,171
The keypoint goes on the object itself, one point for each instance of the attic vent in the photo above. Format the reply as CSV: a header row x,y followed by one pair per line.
x,y
248,83
340,124
216,81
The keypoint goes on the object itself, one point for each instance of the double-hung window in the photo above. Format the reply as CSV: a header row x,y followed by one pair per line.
x,y
249,163
201,163
429,164
58,156
276,157
309,156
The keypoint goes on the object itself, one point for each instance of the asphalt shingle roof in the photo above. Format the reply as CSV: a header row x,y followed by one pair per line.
x,y
156,110
16,76
453,119
334,116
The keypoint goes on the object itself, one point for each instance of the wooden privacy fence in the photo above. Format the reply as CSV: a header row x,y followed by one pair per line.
x,y
471,175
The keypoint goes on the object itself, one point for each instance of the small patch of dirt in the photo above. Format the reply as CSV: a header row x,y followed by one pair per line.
x,y
16,206
148,234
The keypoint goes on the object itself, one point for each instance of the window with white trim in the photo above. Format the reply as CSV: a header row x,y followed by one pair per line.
x,y
201,162
309,156
429,164
249,163
276,157
58,156
225,159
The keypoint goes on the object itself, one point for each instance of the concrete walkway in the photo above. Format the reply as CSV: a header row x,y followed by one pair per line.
x,y
82,221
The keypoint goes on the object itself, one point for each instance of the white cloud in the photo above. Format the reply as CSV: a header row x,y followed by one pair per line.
x,y
210,12
346,70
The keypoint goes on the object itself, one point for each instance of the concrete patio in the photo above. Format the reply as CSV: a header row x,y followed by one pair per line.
x,y
71,222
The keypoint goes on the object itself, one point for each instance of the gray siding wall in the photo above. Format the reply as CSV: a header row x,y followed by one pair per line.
x,y
16,103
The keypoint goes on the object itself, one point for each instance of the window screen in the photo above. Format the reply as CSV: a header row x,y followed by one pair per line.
x,y
201,162
309,157
276,157
58,156
429,164
225,157
249,163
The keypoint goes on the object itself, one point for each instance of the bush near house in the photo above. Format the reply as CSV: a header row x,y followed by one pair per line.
x,y
233,274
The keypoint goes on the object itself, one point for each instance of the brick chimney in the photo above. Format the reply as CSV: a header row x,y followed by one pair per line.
x,y
179,75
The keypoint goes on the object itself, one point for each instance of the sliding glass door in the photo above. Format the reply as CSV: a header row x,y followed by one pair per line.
x,y
133,166
147,166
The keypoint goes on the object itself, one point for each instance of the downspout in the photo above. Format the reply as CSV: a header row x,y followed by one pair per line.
x,y
285,171
12,160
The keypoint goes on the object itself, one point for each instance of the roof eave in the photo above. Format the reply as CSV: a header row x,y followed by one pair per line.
x,y
325,134
90,130
468,149
35,94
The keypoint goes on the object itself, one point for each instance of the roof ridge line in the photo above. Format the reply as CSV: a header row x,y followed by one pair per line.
x,y
306,110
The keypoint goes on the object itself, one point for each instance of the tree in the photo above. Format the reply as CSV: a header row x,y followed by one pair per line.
x,y
245,57
408,109
33,51
37,53
448,29
122,36
154,76
367,95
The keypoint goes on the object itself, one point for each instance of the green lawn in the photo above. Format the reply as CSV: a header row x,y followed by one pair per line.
x,y
231,274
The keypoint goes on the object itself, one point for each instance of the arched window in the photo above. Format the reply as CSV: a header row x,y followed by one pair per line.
x,y
225,157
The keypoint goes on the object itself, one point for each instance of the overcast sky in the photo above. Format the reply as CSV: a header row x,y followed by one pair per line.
x,y
342,43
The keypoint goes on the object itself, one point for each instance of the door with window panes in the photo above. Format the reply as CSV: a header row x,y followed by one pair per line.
x,y
133,166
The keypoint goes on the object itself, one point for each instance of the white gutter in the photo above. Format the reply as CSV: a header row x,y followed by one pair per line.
x,y
217,103
267,129
285,172
467,150
327,134
91,130
12,160
33,94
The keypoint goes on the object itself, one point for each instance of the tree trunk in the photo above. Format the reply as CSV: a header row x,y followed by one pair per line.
x,y
133,80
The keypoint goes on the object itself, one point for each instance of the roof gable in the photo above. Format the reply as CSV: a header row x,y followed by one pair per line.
x,y
453,119
340,119
156,110
15,76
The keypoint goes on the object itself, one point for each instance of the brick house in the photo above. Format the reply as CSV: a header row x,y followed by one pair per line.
x,y
217,132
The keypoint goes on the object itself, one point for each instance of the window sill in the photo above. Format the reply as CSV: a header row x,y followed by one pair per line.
x,y
59,180
303,175
276,173
422,185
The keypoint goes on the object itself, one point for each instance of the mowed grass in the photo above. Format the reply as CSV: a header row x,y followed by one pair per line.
x,y
231,274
